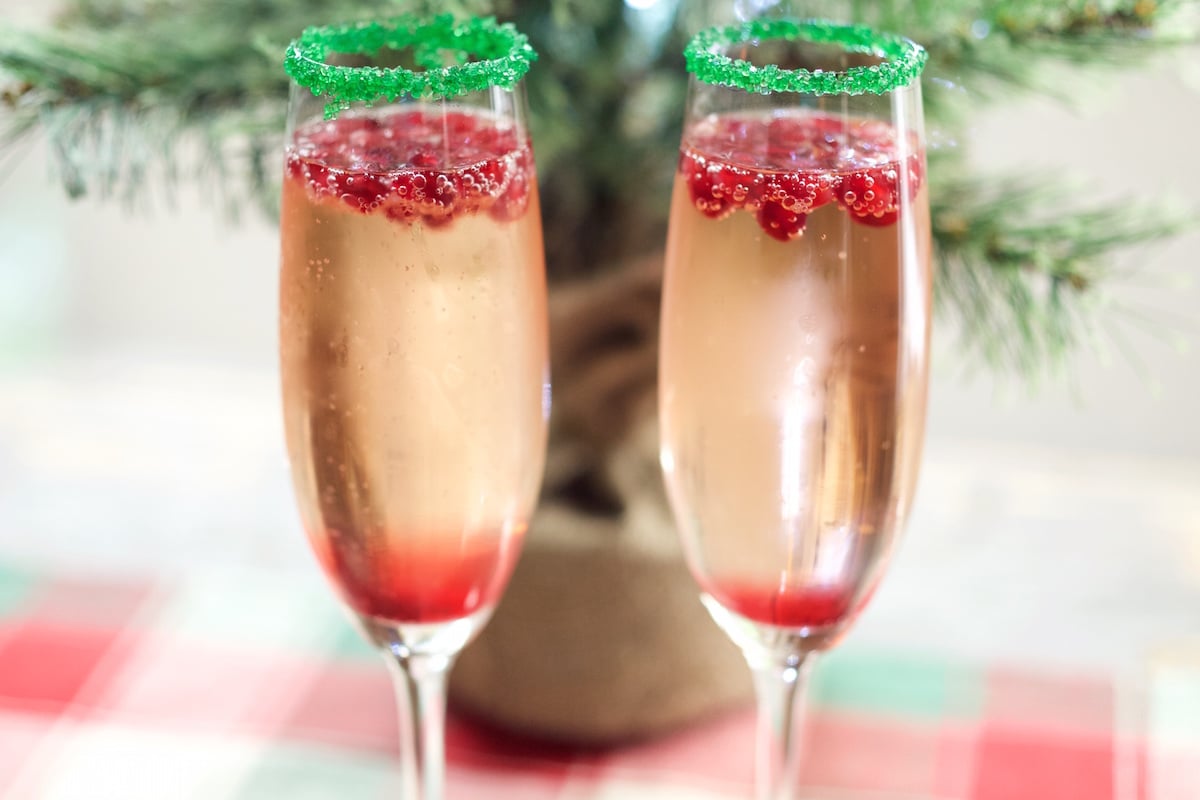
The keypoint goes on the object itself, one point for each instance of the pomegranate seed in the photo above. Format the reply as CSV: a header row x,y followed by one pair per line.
x,y
780,222
869,193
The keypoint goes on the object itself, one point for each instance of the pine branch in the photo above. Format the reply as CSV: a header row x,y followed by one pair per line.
x,y
988,50
161,90
134,94
120,107
1035,303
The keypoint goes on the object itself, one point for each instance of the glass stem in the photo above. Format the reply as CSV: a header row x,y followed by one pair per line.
x,y
420,682
780,685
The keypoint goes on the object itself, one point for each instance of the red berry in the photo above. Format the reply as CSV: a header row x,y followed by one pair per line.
x,y
740,186
443,188
492,176
382,156
787,168
490,141
414,164
880,221
472,185
712,195
510,179
407,196
734,130
321,179
423,158
869,193
362,191
457,123
780,222
720,187
801,191
512,202
336,134
433,193
804,141
408,125
347,125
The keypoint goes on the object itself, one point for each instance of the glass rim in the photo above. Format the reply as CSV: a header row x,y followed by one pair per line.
x,y
903,59
503,57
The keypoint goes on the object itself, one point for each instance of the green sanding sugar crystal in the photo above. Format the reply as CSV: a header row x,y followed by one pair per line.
x,y
902,61
486,54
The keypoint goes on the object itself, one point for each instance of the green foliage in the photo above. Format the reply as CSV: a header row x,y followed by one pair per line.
x,y
139,93
607,99
1035,301
129,91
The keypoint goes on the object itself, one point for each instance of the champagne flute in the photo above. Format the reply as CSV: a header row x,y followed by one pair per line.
x,y
413,337
795,336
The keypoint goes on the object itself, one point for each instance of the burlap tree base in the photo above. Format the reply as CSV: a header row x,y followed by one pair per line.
x,y
600,637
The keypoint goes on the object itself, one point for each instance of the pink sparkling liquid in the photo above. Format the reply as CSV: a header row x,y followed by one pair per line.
x,y
414,352
794,334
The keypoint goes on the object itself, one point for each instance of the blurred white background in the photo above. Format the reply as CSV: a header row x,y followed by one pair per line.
x,y
139,421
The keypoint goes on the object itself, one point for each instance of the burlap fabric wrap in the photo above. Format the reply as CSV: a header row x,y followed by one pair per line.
x,y
600,637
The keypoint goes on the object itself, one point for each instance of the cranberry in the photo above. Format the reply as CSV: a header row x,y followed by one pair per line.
x,y
407,165
362,190
878,221
780,222
790,167
711,193
869,192
382,156
441,190
811,142
511,204
320,178
457,123
491,176
423,158
802,191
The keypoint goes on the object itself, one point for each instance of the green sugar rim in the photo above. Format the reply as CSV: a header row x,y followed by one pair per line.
x,y
504,57
903,58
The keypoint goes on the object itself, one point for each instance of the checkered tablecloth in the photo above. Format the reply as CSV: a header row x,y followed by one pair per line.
x,y
246,684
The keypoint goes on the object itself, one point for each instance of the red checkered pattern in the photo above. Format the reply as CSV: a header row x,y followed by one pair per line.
x,y
205,688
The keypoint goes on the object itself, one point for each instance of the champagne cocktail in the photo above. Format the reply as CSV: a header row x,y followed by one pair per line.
x,y
794,339
413,339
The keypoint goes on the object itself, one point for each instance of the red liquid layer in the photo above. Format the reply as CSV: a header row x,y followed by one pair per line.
x,y
423,581
783,168
416,164
795,607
